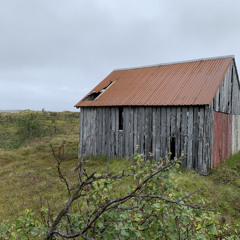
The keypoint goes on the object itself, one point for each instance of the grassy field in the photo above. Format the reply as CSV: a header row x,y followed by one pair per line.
x,y
28,170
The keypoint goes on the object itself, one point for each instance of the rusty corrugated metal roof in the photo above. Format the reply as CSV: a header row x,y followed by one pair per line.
x,y
185,83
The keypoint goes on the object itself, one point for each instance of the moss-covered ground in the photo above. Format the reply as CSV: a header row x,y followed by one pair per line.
x,y
28,176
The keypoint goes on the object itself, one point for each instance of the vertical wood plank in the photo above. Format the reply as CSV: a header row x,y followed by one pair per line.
x,y
225,92
150,144
184,135
81,117
200,140
206,142
154,132
163,132
141,130
147,131
85,132
109,131
168,130
230,89
146,125
235,97
120,134
221,97
117,131
89,136
190,138
138,128
113,130
106,131
158,134
234,133
126,131
217,101
131,135
94,131
135,128
211,122
195,137
173,129
173,121
178,132
99,131
91,130
103,151
238,133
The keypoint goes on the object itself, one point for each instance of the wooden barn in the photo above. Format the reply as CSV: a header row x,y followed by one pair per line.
x,y
190,106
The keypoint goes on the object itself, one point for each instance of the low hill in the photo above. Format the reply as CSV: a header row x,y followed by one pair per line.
x,y
10,111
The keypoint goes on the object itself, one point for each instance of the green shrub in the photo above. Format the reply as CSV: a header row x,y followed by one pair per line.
x,y
152,207
29,127
24,228
15,130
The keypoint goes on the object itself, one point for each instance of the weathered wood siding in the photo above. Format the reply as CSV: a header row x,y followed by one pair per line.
x,y
227,98
157,130
195,130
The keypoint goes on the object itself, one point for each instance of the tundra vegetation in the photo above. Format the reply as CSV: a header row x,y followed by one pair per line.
x,y
48,193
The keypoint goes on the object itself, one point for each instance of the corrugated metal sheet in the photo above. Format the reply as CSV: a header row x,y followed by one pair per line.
x,y
186,83
222,137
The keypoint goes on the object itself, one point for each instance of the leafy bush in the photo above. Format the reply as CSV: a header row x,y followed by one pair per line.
x,y
30,126
25,227
17,129
152,207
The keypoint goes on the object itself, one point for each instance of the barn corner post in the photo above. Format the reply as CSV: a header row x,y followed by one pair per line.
x,y
207,141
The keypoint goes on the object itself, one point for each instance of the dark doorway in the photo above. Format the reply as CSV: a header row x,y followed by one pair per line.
x,y
120,118
173,148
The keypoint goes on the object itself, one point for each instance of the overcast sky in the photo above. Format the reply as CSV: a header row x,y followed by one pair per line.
x,y
53,52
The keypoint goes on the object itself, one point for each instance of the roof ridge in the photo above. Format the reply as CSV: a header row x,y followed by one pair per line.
x,y
177,62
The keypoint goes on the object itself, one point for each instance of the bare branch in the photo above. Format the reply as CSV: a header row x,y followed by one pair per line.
x,y
114,203
61,176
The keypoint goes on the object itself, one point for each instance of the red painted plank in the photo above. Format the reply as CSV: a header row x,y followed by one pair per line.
x,y
222,137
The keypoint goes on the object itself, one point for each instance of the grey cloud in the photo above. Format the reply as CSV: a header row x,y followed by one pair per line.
x,y
53,52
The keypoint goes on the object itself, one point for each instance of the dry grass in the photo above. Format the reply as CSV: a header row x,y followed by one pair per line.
x,y
221,189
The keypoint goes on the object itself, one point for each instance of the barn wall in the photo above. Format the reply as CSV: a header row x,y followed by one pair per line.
x,y
227,98
158,130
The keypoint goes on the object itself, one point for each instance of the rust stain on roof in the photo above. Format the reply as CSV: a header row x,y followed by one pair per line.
x,y
186,83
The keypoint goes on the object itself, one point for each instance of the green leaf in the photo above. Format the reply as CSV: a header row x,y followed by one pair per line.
x,y
124,233
100,224
157,205
212,229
